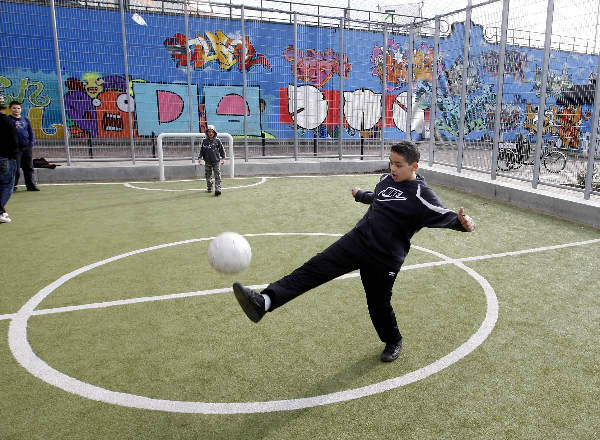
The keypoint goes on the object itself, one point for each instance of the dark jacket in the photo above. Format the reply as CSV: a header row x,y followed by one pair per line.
x,y
211,150
8,138
398,210
24,131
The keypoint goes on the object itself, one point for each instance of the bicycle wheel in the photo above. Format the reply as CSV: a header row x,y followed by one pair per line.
x,y
554,161
506,159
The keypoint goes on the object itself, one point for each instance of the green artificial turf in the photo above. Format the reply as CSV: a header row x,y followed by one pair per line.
x,y
535,376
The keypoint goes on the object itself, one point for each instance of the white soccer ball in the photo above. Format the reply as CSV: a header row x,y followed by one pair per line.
x,y
229,252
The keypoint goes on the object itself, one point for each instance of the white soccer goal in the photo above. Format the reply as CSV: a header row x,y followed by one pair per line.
x,y
159,147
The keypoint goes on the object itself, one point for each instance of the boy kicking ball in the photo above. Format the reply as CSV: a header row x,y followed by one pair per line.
x,y
400,206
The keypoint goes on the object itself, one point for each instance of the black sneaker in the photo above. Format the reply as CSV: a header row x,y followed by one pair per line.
x,y
217,192
33,188
392,351
209,190
252,303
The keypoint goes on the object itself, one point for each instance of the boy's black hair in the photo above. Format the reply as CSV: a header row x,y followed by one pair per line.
x,y
407,149
13,103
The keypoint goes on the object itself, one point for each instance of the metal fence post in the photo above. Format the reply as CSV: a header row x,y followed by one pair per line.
x,y
129,100
409,89
543,88
244,83
500,89
295,86
383,88
189,74
463,89
592,148
341,121
434,83
61,93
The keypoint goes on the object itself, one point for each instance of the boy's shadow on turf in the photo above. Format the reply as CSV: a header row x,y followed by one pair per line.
x,y
336,382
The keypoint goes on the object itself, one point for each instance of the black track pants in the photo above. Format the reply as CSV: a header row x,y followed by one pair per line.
x,y
338,259
25,161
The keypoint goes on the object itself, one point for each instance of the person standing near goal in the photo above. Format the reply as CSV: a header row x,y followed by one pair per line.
x,y
213,155
400,206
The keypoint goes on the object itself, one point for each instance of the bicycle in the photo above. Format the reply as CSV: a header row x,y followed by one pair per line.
x,y
511,155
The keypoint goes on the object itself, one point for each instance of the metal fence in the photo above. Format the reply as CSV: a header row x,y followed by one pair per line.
x,y
325,81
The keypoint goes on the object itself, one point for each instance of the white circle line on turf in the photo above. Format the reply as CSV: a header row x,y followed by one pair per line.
x,y
290,176
23,352
131,185
122,302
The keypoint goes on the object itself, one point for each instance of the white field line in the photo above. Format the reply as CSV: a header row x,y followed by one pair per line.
x,y
131,185
122,302
201,179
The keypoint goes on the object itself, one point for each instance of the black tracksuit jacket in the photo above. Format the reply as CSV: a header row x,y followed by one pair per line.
x,y
397,211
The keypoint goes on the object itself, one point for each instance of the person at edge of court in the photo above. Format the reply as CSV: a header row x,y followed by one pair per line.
x,y
8,160
400,205
26,140
213,154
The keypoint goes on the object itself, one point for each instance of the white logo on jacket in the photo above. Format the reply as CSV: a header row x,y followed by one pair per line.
x,y
390,194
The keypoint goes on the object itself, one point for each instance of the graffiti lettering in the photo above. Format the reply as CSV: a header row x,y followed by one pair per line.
x,y
454,76
515,63
217,47
396,64
25,84
477,108
510,116
317,68
362,110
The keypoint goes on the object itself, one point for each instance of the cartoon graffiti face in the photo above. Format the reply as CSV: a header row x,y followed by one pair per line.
x,y
80,110
93,84
112,113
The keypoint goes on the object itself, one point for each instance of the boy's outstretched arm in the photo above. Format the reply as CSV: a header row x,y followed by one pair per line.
x,y
467,222
362,196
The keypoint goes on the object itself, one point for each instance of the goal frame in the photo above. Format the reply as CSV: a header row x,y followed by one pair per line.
x,y
161,160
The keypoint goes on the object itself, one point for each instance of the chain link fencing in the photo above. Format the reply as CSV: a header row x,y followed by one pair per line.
x,y
496,87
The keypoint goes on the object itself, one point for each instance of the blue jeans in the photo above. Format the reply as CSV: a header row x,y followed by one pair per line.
x,y
8,167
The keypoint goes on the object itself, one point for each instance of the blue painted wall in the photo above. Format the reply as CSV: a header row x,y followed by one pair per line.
x,y
95,90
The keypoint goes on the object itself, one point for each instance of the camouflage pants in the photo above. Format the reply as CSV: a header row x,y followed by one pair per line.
x,y
209,169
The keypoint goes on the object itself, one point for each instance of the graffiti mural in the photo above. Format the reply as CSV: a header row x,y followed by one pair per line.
x,y
266,104
317,68
98,106
37,102
557,83
224,107
477,109
515,63
164,108
454,77
362,111
396,64
510,117
562,122
214,48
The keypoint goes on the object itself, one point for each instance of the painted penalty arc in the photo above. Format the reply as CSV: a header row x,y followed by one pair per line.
x,y
24,354
133,186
